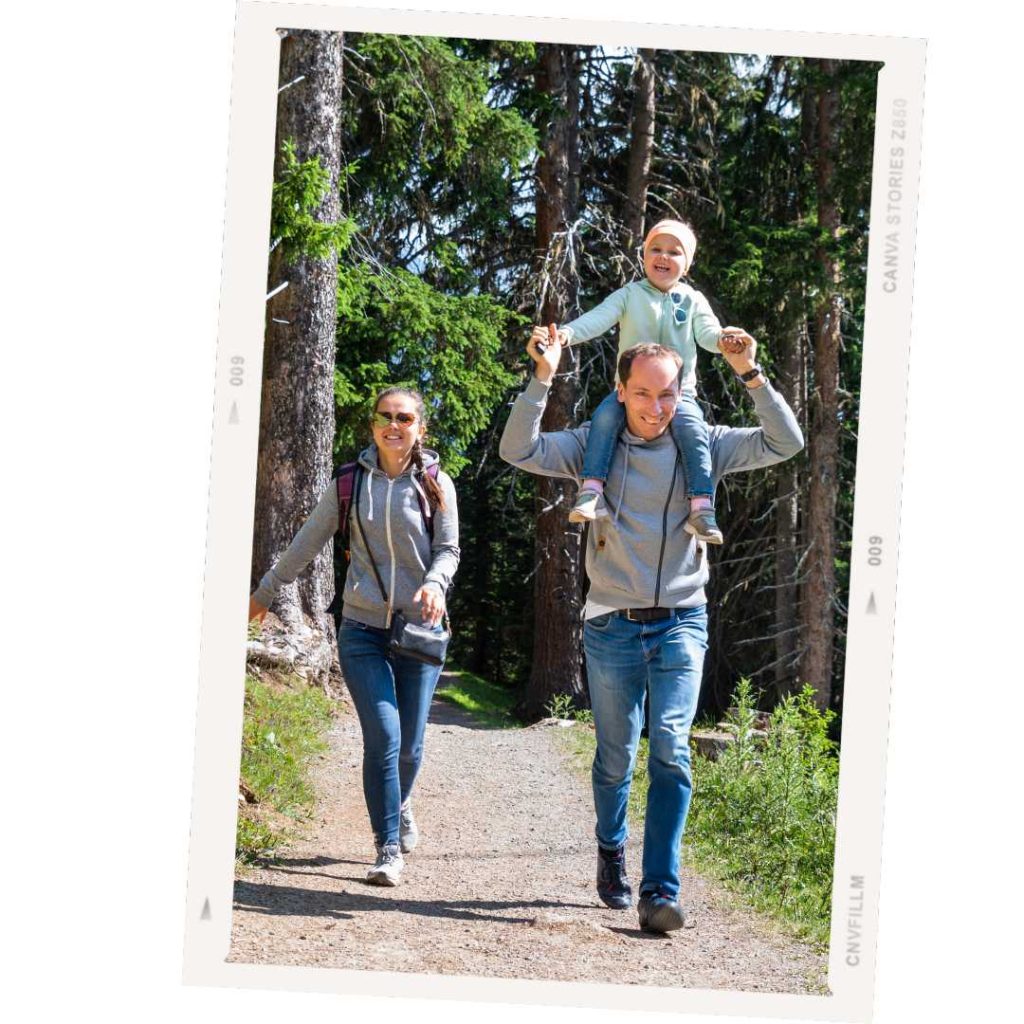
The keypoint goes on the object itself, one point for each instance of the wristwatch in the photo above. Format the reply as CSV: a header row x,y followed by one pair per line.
x,y
750,374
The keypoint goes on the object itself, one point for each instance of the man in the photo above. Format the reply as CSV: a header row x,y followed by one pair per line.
x,y
645,623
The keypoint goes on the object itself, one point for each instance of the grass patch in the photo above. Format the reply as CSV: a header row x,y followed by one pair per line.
x,y
487,702
284,727
762,820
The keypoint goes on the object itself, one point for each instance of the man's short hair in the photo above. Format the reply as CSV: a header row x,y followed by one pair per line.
x,y
646,351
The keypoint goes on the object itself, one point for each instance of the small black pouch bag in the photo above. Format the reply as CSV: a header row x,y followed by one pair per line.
x,y
418,641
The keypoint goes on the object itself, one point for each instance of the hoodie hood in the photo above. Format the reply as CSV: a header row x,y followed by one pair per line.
x,y
369,461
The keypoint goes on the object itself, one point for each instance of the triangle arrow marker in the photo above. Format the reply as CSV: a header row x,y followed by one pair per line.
x,y
206,915
872,607
233,417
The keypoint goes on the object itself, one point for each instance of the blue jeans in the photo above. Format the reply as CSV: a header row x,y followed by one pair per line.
x,y
689,431
665,658
392,697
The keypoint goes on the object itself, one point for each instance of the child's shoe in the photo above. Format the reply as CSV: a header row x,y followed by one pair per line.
x,y
588,506
701,523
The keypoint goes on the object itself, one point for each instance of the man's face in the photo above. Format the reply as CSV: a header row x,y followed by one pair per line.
x,y
664,261
650,396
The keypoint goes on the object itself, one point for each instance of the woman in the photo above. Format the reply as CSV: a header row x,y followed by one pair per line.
x,y
404,541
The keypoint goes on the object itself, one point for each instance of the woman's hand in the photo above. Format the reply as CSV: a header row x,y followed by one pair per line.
x,y
256,611
431,602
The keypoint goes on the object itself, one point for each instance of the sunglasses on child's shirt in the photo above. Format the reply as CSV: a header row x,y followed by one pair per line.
x,y
385,419
678,313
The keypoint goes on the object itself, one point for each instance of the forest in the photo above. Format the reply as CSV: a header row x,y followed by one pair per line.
x,y
434,198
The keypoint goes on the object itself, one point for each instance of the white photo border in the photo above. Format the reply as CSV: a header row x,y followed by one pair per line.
x,y
872,594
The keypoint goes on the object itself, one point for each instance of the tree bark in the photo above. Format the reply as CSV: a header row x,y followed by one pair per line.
x,y
641,147
558,581
787,521
819,584
297,401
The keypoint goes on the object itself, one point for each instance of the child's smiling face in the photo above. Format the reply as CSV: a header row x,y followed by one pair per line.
x,y
664,261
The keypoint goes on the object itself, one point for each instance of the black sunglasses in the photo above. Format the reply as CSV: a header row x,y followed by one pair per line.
x,y
385,419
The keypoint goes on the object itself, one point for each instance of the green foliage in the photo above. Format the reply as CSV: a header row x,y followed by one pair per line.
x,y
559,706
394,328
763,815
283,728
300,188
489,703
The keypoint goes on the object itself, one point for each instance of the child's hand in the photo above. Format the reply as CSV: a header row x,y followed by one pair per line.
x,y
733,340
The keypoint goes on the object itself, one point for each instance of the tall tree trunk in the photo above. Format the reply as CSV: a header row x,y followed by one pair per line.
x,y
641,147
558,583
297,402
787,520
819,585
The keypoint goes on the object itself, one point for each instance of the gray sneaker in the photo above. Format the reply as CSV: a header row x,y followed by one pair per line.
x,y
588,506
408,833
388,868
702,525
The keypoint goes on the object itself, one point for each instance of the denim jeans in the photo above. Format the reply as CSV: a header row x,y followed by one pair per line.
x,y
666,659
392,697
689,431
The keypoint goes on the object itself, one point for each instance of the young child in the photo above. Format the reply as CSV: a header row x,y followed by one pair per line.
x,y
658,309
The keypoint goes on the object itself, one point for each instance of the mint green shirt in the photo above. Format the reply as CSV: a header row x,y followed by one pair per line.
x,y
646,314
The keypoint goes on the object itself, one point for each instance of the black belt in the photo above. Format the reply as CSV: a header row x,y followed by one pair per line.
x,y
647,614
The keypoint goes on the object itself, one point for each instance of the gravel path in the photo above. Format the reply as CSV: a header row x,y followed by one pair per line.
x,y
501,884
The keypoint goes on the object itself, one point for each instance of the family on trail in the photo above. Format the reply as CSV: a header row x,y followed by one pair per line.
x,y
648,467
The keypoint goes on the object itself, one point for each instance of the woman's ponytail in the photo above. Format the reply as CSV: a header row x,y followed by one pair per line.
x,y
432,489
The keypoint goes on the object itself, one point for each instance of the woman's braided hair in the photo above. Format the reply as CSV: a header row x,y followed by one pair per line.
x,y
432,489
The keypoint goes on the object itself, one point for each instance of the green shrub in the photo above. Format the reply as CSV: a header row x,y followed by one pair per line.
x,y
283,728
763,815
559,705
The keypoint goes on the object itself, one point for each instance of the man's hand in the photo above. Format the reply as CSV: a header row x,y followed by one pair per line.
x,y
545,363
738,348
257,612
733,340
431,602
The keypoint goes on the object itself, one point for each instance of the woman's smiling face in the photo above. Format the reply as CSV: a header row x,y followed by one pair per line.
x,y
397,426
664,261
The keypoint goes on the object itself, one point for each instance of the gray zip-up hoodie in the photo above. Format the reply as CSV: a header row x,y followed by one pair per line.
x,y
392,520
641,556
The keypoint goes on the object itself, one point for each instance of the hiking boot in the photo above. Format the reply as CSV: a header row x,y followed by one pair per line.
x,y
408,833
703,526
613,887
588,506
388,868
660,913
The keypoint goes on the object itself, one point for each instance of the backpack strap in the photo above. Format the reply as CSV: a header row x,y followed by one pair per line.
x,y
346,480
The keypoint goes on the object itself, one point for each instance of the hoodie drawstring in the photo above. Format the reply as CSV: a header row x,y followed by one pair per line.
x,y
369,495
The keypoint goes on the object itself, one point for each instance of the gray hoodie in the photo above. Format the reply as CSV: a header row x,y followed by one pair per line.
x,y
641,556
392,520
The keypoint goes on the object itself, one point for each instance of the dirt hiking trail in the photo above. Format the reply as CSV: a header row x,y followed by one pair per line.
x,y
501,884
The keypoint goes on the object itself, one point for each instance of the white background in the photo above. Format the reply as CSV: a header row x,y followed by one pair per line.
x,y
115,141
